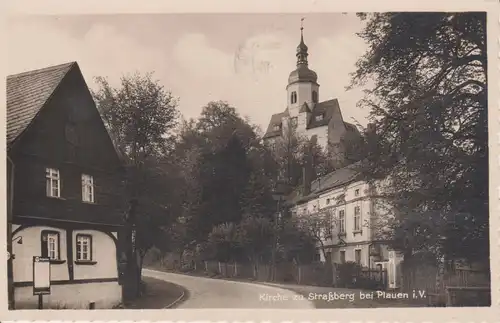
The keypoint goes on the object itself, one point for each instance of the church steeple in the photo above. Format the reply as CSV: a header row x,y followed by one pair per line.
x,y
302,73
302,48
303,87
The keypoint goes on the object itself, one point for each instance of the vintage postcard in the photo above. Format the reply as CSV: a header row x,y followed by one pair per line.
x,y
181,159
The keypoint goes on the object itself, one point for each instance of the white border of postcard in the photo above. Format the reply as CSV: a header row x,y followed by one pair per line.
x,y
491,314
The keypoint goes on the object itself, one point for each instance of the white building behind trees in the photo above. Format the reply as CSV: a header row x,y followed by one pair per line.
x,y
349,217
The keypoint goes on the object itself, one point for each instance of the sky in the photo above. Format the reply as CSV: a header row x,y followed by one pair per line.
x,y
244,59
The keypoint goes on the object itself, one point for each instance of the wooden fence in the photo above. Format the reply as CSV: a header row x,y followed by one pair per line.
x,y
315,274
448,286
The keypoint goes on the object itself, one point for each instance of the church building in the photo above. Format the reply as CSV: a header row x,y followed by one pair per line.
x,y
305,114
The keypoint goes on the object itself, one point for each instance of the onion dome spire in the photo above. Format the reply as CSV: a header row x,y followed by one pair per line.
x,y
302,48
302,73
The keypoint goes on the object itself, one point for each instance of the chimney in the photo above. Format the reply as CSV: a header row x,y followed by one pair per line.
x,y
306,180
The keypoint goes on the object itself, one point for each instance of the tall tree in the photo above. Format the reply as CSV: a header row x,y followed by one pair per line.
x,y
140,115
224,167
429,109
321,162
288,153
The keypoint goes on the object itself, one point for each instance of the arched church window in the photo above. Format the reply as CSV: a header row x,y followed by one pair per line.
x,y
315,97
293,97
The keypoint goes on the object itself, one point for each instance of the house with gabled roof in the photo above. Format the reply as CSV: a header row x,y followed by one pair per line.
x,y
353,215
65,191
305,115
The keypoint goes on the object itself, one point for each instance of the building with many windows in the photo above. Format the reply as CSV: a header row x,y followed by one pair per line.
x,y
305,114
354,216
65,191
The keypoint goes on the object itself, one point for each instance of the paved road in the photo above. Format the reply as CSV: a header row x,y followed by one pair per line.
x,y
217,293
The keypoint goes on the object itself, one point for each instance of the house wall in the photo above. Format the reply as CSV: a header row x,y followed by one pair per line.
x,y
71,296
68,134
321,133
47,143
326,203
74,285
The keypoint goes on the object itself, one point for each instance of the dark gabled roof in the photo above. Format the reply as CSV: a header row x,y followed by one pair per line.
x,y
27,93
305,108
335,179
275,121
351,127
327,109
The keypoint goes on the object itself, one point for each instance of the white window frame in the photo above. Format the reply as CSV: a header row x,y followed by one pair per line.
x,y
360,256
356,192
52,241
83,240
328,232
87,188
357,218
319,117
293,122
342,259
52,244
342,221
52,182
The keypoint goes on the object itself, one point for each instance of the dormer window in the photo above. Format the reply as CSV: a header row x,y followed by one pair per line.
x,y
293,97
277,127
319,117
315,97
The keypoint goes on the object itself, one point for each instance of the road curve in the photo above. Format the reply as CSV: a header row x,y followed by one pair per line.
x,y
217,293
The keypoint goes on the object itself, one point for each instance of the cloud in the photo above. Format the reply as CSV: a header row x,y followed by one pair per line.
x,y
252,76
102,51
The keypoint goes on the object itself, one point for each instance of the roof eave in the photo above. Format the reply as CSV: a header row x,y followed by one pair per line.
x,y
17,138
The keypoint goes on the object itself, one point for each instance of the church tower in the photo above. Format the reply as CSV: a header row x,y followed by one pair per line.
x,y
302,88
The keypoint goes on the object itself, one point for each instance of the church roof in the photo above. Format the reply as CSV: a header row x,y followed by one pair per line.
x,y
305,108
27,93
275,121
327,110
302,74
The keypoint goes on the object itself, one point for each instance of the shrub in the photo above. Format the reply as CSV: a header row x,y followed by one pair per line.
x,y
347,274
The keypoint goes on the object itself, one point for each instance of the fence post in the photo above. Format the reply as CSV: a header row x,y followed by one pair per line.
x,y
220,267
235,269
448,298
300,274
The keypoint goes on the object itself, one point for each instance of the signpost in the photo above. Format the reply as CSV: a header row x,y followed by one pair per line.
x,y
41,278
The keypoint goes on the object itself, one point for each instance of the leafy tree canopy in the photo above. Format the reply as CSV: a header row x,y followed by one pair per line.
x,y
428,98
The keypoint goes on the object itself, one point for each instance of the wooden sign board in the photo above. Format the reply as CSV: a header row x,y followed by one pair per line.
x,y
41,276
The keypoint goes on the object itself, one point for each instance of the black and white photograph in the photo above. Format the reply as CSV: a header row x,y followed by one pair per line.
x,y
306,160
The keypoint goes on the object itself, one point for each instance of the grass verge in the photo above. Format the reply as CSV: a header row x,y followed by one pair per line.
x,y
159,294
